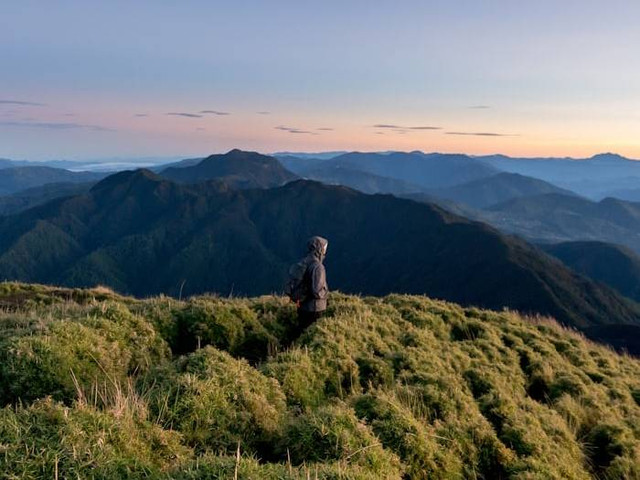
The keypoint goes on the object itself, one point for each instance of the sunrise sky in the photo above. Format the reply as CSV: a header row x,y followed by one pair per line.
x,y
89,79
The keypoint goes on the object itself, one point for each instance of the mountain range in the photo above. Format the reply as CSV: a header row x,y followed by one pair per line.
x,y
142,234
416,168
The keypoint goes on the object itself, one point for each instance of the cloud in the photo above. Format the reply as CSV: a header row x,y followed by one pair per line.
x,y
215,112
483,134
325,129
57,126
182,114
140,115
69,115
400,127
22,103
295,130
263,113
200,129
479,107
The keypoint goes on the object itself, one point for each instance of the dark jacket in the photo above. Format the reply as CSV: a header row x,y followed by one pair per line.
x,y
315,277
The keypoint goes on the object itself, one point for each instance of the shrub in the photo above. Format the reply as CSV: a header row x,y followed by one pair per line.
x,y
50,440
216,401
65,358
229,326
333,432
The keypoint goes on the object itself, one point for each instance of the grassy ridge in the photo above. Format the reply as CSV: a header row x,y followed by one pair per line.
x,y
95,385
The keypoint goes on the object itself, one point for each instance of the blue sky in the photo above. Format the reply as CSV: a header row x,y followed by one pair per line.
x,y
540,78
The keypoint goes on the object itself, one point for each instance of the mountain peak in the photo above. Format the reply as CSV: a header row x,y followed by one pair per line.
x,y
608,157
239,168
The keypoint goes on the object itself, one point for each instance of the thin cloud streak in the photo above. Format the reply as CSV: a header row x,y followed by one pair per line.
x,y
295,130
22,103
57,126
483,134
479,107
183,114
325,129
141,115
263,113
214,112
400,127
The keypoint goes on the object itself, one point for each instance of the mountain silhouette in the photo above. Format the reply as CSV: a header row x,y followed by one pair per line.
x,y
237,168
142,234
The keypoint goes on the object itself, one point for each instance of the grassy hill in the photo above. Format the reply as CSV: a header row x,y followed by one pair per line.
x,y
95,385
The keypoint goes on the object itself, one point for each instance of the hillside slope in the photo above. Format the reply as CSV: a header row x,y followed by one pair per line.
x,y
101,386
608,263
362,181
31,197
143,235
556,218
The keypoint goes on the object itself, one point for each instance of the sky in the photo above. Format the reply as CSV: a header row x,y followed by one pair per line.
x,y
92,79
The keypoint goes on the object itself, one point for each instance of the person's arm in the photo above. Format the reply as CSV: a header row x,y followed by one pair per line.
x,y
319,282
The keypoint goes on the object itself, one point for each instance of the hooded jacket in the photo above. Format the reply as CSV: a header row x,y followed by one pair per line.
x,y
315,277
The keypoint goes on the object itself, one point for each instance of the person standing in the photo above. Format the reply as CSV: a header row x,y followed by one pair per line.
x,y
308,283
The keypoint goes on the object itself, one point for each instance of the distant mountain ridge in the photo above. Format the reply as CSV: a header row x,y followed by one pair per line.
x,y
595,177
15,179
496,189
425,170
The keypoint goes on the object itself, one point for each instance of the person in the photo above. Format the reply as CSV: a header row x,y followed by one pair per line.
x,y
313,289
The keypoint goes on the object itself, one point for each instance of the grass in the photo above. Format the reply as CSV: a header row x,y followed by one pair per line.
x,y
94,385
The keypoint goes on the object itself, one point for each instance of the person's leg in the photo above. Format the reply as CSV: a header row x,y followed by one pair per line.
x,y
306,319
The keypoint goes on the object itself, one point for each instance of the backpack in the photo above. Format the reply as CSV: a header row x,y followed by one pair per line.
x,y
295,287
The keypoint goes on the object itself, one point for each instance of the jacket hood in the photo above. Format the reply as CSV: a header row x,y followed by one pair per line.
x,y
317,246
